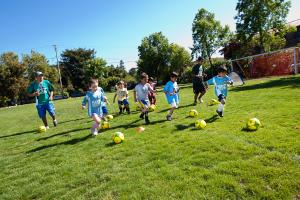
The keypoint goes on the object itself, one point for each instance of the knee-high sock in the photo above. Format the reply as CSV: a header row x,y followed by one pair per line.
x,y
221,107
96,125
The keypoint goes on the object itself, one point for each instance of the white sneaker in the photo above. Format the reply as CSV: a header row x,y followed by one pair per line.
x,y
94,131
201,100
47,127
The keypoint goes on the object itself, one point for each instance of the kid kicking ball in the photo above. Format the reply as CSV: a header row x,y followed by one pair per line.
x,y
193,113
104,125
118,137
253,124
42,129
109,117
200,124
152,108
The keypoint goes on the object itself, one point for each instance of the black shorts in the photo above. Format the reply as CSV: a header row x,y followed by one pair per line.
x,y
221,97
198,85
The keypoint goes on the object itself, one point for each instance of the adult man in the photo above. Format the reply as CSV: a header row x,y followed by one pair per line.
x,y
42,90
198,83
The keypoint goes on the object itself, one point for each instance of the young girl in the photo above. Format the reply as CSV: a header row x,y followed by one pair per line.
x,y
151,95
171,90
94,98
122,95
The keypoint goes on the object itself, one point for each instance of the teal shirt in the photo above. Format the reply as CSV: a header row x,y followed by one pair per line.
x,y
44,88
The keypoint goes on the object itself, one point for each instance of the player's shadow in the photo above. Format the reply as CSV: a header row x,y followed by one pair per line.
x,y
69,142
72,120
244,129
180,107
16,134
110,144
62,133
180,127
293,82
212,119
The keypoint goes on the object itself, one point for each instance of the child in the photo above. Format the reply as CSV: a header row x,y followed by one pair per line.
x,y
151,95
171,90
220,82
141,95
95,99
122,95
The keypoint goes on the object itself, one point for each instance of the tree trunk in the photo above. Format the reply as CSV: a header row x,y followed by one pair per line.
x,y
210,62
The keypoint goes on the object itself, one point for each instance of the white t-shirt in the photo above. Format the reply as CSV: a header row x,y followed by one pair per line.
x,y
122,93
142,91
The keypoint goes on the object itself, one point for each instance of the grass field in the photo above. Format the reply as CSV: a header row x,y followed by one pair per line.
x,y
169,160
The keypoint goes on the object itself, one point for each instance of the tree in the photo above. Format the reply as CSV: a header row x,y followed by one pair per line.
x,y
74,62
262,18
154,55
12,82
208,34
122,65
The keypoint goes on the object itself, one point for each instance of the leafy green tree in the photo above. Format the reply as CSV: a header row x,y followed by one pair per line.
x,y
180,58
208,34
74,62
262,18
154,55
12,82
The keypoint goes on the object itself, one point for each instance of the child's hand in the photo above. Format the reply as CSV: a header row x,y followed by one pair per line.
x,y
36,94
83,107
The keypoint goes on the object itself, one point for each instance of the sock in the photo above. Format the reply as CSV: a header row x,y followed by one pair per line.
x,y
221,107
96,125
170,113
146,113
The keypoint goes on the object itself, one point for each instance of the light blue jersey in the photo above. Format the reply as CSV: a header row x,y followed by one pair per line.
x,y
220,84
142,91
95,102
171,90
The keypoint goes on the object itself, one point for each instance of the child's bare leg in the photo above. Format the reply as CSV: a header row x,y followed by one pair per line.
x,y
97,121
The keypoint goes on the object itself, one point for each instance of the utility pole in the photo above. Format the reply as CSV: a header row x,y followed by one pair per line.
x,y
61,88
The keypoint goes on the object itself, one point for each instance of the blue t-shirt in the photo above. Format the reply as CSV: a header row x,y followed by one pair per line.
x,y
220,84
171,89
95,101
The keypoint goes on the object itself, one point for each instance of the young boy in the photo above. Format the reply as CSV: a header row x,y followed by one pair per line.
x,y
220,82
141,96
151,95
198,81
171,90
122,94
42,90
95,99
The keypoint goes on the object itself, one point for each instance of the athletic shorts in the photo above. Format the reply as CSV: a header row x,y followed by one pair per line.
x,y
124,102
46,107
221,97
104,110
145,103
198,85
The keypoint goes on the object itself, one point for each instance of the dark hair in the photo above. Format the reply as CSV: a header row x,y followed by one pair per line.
x,y
199,58
143,75
222,69
151,79
93,81
174,74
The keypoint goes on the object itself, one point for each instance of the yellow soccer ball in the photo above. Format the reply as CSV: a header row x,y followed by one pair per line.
x,y
104,125
118,137
152,108
193,113
42,129
200,124
109,117
253,124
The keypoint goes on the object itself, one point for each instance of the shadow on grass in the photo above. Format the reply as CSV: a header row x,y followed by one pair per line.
x,y
293,82
247,130
16,134
62,133
185,106
110,144
212,119
69,142
73,120
180,127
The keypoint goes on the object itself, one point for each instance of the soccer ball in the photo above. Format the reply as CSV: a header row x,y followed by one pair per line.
x,y
152,108
253,124
213,102
200,124
105,125
193,113
118,137
140,129
109,117
42,129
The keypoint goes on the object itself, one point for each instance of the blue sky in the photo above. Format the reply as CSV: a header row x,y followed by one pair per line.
x,y
114,28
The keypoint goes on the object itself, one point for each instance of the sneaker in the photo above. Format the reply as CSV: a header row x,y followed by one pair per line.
x,y
169,117
195,103
147,120
55,122
220,113
142,116
201,100
47,127
94,131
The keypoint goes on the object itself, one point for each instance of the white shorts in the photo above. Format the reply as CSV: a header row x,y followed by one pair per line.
x,y
174,104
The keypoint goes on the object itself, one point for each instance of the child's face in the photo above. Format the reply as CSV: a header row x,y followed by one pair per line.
x,y
121,86
94,87
40,78
222,74
173,78
144,80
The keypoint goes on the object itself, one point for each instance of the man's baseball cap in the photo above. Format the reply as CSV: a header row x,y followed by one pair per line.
x,y
38,73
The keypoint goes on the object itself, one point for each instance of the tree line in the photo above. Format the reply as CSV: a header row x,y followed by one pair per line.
x,y
260,27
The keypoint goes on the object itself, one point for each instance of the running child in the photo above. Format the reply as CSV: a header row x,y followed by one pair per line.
x,y
171,90
141,91
122,94
220,82
94,98
152,95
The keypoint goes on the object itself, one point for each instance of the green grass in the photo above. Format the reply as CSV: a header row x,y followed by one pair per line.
x,y
169,160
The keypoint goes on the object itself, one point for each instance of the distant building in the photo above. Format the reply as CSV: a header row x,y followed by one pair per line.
x,y
293,39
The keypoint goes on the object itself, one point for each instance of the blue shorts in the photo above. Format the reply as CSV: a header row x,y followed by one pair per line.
x,y
104,110
124,102
145,103
46,107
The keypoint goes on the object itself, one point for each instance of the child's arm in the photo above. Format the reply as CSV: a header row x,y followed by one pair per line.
x,y
229,80
211,81
84,101
115,98
151,89
134,96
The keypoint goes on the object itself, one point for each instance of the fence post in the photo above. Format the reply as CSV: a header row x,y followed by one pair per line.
x,y
295,61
